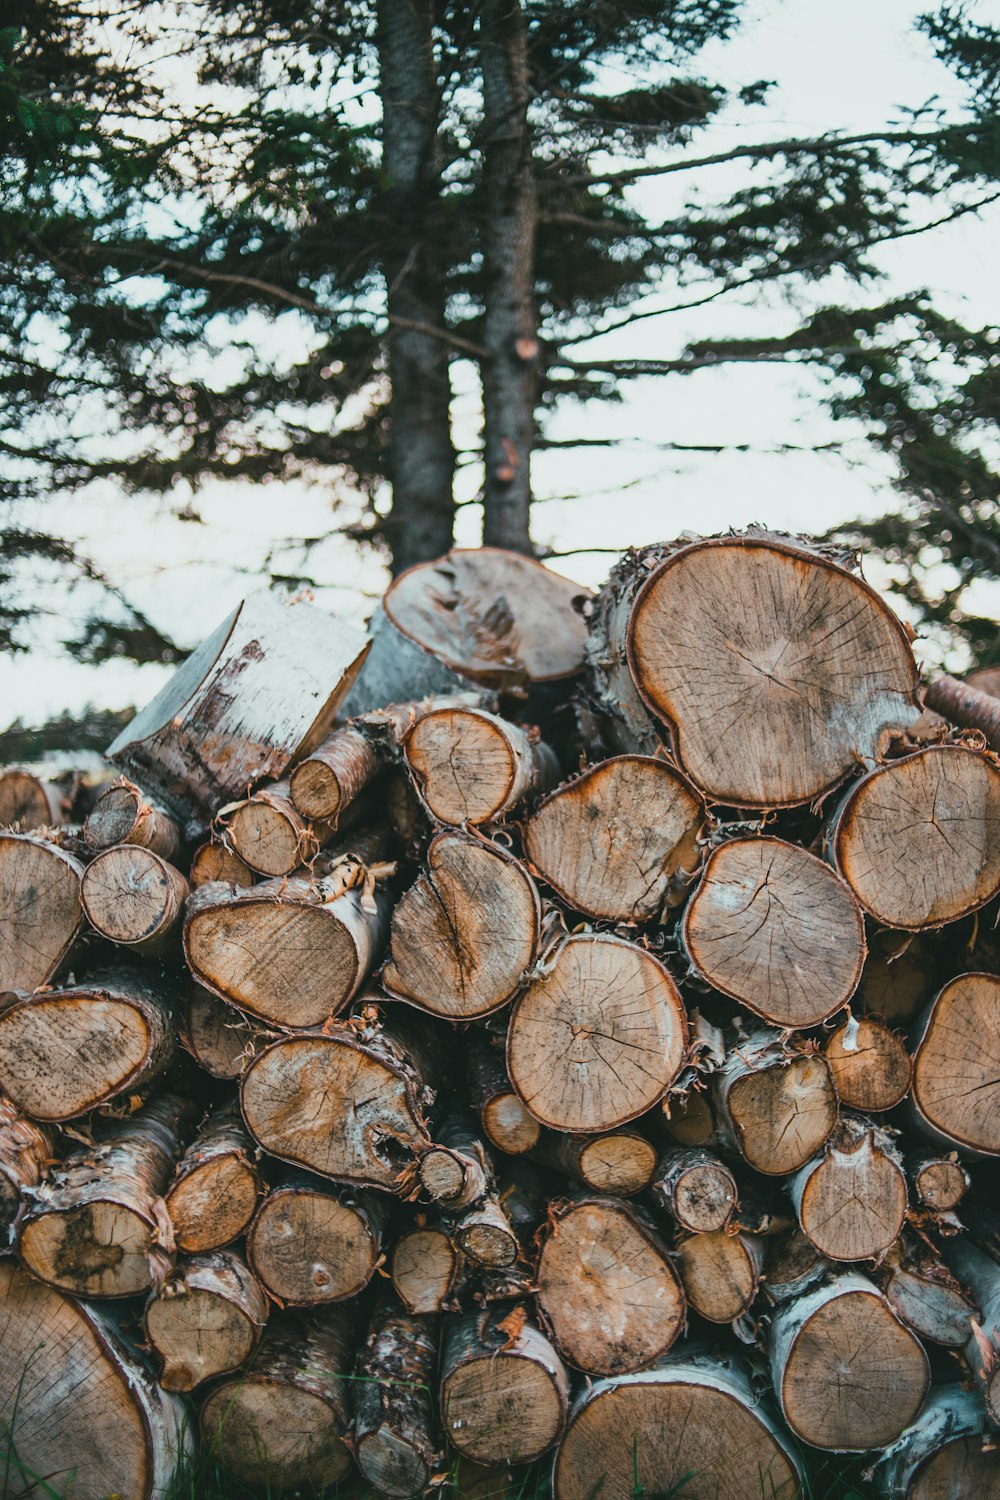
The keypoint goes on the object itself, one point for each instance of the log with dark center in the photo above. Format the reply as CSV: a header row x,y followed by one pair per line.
x,y
123,815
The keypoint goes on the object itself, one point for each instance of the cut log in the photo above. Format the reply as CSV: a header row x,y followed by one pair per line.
x,y
619,843
945,1455
689,1121
924,1293
774,928
205,1319
939,1181
471,767
851,1200
395,671
956,1067
216,861
282,1422
622,1163
335,775
124,815
607,1289
849,1375
219,1037
692,1426
81,1413
25,1153
871,1067
270,835
972,703
979,1273
484,1235
456,1170
900,975
40,910
506,1122
426,1268
465,934
132,896
792,1267
504,1389
27,802
215,1189
918,840
778,1104
395,1428
97,1225
260,692
63,1052
720,1273
348,1103
598,1036
312,1244
696,1188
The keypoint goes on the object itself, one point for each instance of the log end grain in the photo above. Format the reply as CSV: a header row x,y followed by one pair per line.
x,y
871,1067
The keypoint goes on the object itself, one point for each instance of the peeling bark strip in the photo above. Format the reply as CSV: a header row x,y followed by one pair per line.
x,y
506,1123
205,1319
696,1188
310,1243
920,1288
918,840
980,1273
777,1104
122,815
64,1052
25,1152
851,1201
944,1455
395,1436
956,1067
27,802
504,1389
133,897
76,1400
871,1068
40,910
216,1186
472,767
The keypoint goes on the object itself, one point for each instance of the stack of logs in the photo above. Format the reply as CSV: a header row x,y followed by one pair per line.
x,y
559,1024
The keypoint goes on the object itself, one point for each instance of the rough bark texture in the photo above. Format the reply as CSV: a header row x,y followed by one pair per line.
x,y
956,1067
216,1186
778,1104
334,776
944,1455
310,1243
870,1065
205,1319
27,802
851,1201
504,1389
123,815
979,1272
472,767
973,703
40,910
697,1188
922,1291
456,1170
25,1152
720,1273
426,1268
395,1427
506,1122
133,897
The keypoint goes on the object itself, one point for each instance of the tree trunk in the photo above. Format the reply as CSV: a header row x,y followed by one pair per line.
x,y
939,1181
506,1123
395,1427
851,1201
471,767
205,1319
720,1273
40,910
27,802
25,1153
622,1163
64,1052
945,1455
270,835
778,1104
956,1066
219,1037
972,704
870,1066
216,861
310,1243
122,815
426,1268
696,1188
504,1389
215,1189
923,1292
133,897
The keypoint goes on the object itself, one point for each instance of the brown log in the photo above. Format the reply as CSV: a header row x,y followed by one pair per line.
x,y
956,1066
900,975
972,704
97,1225
774,928
720,1272
484,1235
216,861
63,1052
598,1036
504,1389
220,1038
607,1289
944,1455
269,834
620,842
283,1421
426,1268
335,775
696,1188
778,1103
40,910
456,1171
792,1267
82,1416
851,1200
216,1186
622,1163
310,1243
922,1291
348,1102
918,840
25,1153
464,935
124,815
471,767
132,896
27,802
939,1180
205,1319
506,1122
395,1428
870,1065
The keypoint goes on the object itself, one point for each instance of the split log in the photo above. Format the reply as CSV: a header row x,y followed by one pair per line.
x,y
40,910
456,1170
394,1438
471,767
848,1373
123,815
900,975
205,1319
620,842
25,1153
692,1424
132,896
607,1289
851,1200
920,1288
216,1186
956,1066
64,1052
939,1181
944,1455
220,1038
778,1104
972,703
696,1189
464,935
598,1036
82,1414
871,1067
260,692
918,840
776,929
979,1272
27,802
504,1389
282,1422
720,1273
216,861
348,1102
270,835
506,1122
311,1244
426,1268
792,1267
622,1163
97,1225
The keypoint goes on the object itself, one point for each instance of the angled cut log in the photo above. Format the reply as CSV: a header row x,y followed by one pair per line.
x,y
696,1188
776,929
956,1067
920,1288
778,1104
484,1235
918,840
620,842
123,815
851,1200
40,910
220,1038
27,802
900,975
598,1036
944,1455
870,1065
938,1179
311,1243
506,1123
64,1052
205,1319
472,767
395,1429
426,1268
504,1389
622,1163
132,896
216,1186
25,1153
214,860
720,1273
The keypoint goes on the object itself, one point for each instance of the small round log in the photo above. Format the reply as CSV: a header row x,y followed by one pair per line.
x,y
939,1181
776,929
40,910
464,935
944,1455
215,861
918,840
27,802
25,1153
792,1267
123,815
696,1188
871,1067
270,835
690,1120
205,1319
484,1235
132,896
312,1244
956,1067
622,1163
395,1428
720,1273
607,1289
921,1289
849,1375
472,767
620,842
456,1170
335,775
598,1036
426,1268
219,1037
504,1389
851,1200
506,1122
900,975
216,1186
779,1105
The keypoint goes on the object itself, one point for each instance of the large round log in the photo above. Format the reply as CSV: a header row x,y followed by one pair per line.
x,y
944,1455
696,1188
956,1067
778,1104
205,1319
504,1389
27,802
851,1200
311,1244
40,910
464,935
216,1186
25,1153
720,1273
472,767
395,1429
620,842
870,1065
123,815
918,840
506,1123
598,1036
132,896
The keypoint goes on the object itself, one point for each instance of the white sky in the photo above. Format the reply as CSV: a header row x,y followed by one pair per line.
x,y
841,67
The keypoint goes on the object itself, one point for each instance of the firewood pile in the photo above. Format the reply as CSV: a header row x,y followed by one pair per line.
x,y
554,1023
